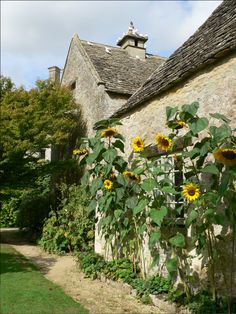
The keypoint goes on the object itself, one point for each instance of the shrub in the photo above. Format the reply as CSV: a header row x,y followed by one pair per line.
x,y
91,264
9,210
70,228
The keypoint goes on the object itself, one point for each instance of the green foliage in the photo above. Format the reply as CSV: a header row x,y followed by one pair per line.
x,y
70,228
8,213
120,269
155,285
32,121
91,264
144,201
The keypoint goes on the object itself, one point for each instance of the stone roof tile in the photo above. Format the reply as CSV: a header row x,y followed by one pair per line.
x,y
120,72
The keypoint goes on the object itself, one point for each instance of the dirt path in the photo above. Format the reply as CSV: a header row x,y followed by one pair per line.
x,y
98,297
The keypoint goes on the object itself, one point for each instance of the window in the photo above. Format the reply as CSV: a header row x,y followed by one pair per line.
x,y
42,154
73,85
172,172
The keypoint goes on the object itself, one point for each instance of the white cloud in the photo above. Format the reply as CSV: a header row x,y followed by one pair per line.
x,y
36,34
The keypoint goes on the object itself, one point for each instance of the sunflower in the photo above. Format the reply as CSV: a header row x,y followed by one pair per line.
x,y
226,156
112,175
131,176
177,124
138,145
181,124
163,142
80,152
108,184
191,192
109,132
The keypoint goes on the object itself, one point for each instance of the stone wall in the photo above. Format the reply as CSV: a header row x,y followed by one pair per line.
x,y
214,88
89,92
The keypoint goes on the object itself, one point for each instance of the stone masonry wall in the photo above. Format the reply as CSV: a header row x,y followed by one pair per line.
x,y
214,88
94,101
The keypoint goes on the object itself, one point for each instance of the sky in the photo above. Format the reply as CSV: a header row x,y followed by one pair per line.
x,y
36,34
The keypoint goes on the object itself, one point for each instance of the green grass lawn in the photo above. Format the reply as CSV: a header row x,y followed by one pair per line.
x,y
25,290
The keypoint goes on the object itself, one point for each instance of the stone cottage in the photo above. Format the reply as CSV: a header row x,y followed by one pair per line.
x,y
203,69
103,77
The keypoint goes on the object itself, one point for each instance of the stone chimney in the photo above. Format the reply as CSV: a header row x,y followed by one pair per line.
x,y
54,74
133,42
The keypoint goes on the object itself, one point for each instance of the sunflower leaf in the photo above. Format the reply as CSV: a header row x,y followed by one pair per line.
x,y
148,185
211,169
198,125
140,207
178,240
157,216
154,238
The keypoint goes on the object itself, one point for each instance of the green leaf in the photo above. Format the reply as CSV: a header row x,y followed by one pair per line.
x,y
107,204
210,169
157,216
96,185
220,133
119,194
110,155
220,117
198,125
118,213
171,264
119,144
142,229
154,238
148,185
122,180
126,222
140,207
191,109
168,189
170,112
131,202
191,217
178,240
139,170
92,206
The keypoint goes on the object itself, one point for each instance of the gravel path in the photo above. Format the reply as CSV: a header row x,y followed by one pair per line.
x,y
98,297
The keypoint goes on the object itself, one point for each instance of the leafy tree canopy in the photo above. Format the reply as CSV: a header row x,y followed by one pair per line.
x,y
33,120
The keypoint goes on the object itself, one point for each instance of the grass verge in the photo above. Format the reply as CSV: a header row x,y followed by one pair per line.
x,y
24,290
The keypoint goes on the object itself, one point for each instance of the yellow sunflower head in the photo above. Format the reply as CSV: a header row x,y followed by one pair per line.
x,y
163,142
112,175
181,124
109,132
138,145
191,192
131,176
108,184
226,156
79,152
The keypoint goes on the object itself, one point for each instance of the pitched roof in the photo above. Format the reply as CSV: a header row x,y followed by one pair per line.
x,y
120,72
213,39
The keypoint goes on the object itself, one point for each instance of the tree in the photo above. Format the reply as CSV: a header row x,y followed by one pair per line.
x,y
31,121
